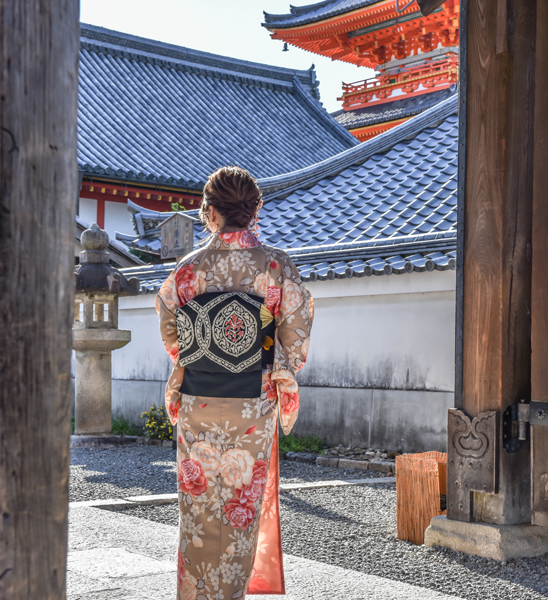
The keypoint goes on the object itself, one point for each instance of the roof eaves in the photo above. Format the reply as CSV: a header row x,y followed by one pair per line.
x,y
282,185
298,18
391,114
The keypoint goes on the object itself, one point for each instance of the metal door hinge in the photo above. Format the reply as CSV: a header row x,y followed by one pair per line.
x,y
516,421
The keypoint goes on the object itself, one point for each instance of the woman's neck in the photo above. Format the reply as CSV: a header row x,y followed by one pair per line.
x,y
231,229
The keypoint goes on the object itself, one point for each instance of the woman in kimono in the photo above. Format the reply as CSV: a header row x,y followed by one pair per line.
x,y
227,411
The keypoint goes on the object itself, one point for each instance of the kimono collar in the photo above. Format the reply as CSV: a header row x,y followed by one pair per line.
x,y
234,240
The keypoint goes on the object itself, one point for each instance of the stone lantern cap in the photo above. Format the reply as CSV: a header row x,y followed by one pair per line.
x,y
94,274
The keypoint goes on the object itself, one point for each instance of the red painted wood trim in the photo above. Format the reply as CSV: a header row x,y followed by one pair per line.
x,y
153,199
101,213
366,133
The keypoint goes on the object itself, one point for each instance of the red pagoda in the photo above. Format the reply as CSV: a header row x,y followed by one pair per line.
x,y
415,56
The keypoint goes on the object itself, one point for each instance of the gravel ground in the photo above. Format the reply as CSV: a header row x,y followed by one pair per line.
x,y
104,473
355,528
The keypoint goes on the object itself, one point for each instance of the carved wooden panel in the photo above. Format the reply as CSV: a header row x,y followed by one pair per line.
x,y
471,460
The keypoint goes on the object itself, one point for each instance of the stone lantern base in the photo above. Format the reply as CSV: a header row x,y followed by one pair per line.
x,y
93,383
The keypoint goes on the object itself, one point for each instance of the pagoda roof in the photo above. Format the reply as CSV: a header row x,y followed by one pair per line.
x,y
387,206
391,111
163,114
312,13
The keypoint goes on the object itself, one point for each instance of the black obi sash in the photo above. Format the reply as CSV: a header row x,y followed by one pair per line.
x,y
223,339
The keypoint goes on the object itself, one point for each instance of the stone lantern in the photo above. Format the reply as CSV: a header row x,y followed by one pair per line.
x,y
95,332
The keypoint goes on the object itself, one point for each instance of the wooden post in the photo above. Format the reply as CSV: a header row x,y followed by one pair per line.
x,y
539,310
496,359
38,187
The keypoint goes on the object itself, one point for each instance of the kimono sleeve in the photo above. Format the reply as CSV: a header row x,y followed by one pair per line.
x,y
167,301
294,322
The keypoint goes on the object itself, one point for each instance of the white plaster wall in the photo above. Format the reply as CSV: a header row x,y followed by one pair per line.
x,y
399,342
117,218
88,210
395,332
144,358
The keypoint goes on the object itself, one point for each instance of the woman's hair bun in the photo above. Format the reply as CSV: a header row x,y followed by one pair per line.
x,y
234,193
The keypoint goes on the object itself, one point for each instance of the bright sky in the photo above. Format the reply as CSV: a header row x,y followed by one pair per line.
x,y
227,27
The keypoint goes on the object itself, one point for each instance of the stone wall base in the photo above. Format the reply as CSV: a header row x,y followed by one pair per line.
x,y
498,542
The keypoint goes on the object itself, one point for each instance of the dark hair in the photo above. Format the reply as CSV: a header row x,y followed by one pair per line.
x,y
234,193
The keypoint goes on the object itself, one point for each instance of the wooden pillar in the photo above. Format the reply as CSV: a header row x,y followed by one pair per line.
x,y
539,334
38,190
496,344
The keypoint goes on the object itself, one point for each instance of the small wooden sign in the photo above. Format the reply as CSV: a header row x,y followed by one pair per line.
x,y
177,236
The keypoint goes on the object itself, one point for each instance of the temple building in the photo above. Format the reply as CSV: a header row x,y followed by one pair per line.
x,y
415,57
154,120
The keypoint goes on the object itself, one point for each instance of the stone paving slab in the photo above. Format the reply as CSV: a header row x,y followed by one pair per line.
x,y
311,580
120,557
157,499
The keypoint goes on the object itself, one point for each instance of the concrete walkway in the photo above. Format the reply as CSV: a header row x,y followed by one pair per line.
x,y
120,557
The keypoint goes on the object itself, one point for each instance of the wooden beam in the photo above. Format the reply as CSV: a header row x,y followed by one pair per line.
x,y
38,192
497,233
539,304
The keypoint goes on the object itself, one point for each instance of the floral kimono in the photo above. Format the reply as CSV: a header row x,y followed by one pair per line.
x,y
227,451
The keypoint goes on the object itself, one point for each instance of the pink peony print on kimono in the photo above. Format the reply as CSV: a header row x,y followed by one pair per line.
x,y
240,239
192,479
172,410
173,352
208,457
289,403
240,515
269,386
273,300
185,280
254,490
263,281
168,294
237,467
188,589
291,298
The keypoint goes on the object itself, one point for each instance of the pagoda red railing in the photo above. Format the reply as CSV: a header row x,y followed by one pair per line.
x,y
379,89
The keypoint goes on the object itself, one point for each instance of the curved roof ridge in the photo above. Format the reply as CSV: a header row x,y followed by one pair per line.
x,y
312,13
154,51
399,240
320,111
281,185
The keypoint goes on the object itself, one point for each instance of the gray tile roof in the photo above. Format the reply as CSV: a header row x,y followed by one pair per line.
x,y
302,15
419,254
151,276
154,112
387,206
391,111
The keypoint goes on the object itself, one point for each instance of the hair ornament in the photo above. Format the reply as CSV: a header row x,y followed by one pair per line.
x,y
255,223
